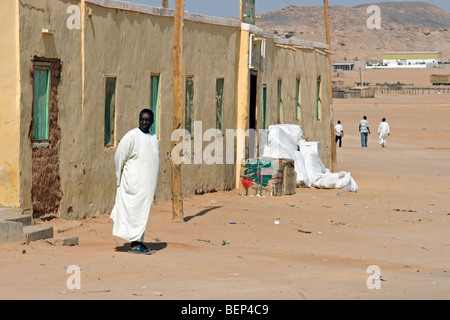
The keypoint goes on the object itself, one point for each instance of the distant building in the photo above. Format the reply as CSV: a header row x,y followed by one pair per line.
x,y
409,60
345,66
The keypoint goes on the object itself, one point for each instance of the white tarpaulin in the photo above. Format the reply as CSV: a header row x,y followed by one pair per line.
x,y
284,141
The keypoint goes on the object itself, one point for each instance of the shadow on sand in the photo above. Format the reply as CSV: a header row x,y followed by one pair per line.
x,y
152,246
201,213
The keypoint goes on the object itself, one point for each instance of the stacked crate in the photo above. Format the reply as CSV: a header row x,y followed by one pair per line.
x,y
267,177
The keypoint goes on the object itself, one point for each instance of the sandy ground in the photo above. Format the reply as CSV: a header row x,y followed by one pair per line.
x,y
230,248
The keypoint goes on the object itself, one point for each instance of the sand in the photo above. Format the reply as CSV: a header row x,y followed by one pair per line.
x,y
230,248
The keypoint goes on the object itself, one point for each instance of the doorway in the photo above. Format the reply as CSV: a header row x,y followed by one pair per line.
x,y
252,122
45,136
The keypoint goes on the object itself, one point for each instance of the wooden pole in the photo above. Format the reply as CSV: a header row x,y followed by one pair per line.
x,y
165,3
361,80
177,52
328,38
241,11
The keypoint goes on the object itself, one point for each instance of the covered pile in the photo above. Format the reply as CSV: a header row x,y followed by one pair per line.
x,y
286,141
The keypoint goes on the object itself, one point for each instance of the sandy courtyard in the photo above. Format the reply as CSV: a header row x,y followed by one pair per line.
x,y
230,248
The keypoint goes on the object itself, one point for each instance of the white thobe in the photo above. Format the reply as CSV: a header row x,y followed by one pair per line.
x,y
137,166
383,132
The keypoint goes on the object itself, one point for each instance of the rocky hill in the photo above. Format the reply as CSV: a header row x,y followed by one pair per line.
x,y
405,26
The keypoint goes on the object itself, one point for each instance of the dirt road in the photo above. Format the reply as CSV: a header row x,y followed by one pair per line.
x,y
230,248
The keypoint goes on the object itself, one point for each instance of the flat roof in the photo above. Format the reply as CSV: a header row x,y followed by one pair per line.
x,y
346,63
230,22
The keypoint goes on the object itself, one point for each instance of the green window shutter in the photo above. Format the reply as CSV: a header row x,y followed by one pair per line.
x,y
154,103
280,103
298,113
264,107
319,100
219,104
110,105
189,105
41,103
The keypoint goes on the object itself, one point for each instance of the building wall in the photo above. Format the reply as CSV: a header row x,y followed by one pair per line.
x,y
108,36
131,43
411,63
134,68
412,56
307,65
65,45
286,60
411,59
9,106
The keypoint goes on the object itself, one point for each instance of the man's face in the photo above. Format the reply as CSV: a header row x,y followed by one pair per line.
x,y
145,121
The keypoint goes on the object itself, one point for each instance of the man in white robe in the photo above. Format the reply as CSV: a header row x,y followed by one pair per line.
x,y
383,132
137,166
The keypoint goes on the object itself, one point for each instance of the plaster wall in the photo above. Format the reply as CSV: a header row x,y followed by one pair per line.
x,y
132,46
63,44
289,63
9,106
306,65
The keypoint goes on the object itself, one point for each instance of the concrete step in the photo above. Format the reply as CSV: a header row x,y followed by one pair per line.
x,y
16,216
64,241
34,233
16,227
11,232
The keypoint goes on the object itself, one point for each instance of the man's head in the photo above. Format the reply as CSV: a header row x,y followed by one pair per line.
x,y
384,119
339,121
146,119
365,118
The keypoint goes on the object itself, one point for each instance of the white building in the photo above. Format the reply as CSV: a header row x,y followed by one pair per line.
x,y
409,60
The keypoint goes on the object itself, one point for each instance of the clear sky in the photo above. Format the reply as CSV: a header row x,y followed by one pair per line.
x,y
230,8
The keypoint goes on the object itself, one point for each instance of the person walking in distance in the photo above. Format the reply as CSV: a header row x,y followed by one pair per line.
x,y
364,130
339,132
383,132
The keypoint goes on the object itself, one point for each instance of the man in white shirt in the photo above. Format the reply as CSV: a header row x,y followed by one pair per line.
x,y
365,131
383,132
339,132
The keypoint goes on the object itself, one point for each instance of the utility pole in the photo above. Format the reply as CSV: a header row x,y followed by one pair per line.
x,y
361,82
247,11
328,38
241,11
165,3
177,53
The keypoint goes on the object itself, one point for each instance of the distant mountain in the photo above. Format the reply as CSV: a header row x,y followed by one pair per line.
x,y
405,26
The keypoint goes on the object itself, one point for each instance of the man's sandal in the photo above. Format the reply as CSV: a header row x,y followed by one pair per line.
x,y
140,249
